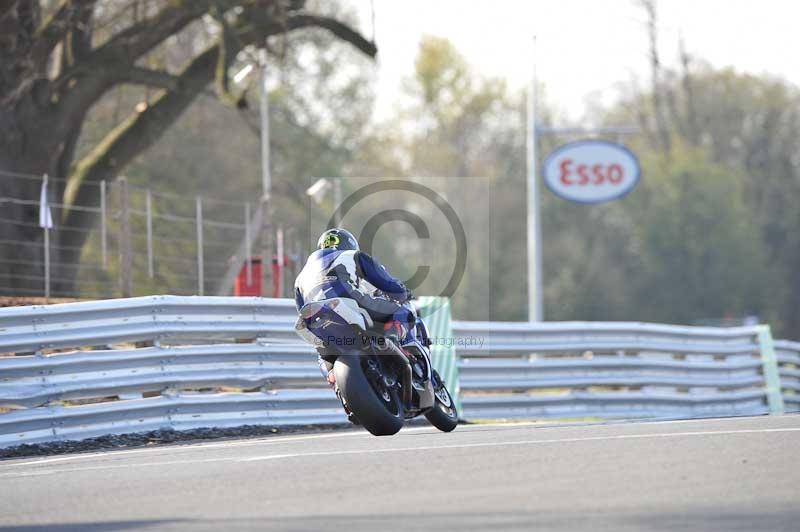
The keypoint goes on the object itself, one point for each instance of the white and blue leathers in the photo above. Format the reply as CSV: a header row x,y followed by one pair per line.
x,y
330,273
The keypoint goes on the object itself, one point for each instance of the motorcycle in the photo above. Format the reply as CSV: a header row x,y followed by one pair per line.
x,y
379,382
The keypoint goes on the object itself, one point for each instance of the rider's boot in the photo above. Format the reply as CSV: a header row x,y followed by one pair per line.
x,y
326,368
394,330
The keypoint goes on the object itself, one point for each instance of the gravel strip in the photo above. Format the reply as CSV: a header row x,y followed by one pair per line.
x,y
157,437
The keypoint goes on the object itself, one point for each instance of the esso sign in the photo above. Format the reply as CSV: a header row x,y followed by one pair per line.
x,y
591,171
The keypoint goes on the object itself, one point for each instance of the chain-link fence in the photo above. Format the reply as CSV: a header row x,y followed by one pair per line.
x,y
129,240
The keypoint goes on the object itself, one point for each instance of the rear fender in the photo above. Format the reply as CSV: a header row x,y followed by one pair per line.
x,y
331,320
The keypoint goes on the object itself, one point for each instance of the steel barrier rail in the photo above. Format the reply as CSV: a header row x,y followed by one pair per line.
x,y
493,348
180,412
32,381
631,370
150,318
226,362
512,335
788,358
619,405
182,353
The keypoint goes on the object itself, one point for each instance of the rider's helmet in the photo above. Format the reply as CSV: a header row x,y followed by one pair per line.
x,y
339,239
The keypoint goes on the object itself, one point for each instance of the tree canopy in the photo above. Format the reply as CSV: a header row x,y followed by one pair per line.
x,y
709,232
58,60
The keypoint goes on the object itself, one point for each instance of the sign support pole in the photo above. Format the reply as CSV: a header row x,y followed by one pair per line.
x,y
534,236
535,310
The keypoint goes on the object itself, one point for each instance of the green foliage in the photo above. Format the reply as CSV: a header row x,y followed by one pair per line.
x,y
709,232
695,240
320,102
450,128
751,126
701,256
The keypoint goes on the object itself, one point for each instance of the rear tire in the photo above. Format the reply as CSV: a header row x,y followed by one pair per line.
x,y
378,415
443,415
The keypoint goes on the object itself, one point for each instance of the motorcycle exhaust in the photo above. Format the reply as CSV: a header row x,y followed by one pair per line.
x,y
405,366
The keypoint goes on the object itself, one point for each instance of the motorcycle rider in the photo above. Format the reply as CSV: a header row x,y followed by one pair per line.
x,y
338,268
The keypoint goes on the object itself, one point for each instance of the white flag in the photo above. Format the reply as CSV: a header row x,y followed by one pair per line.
x,y
45,217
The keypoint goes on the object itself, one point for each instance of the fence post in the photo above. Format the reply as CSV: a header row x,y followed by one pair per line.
x,y
103,226
199,222
237,260
47,264
125,255
266,248
297,263
769,364
248,244
45,222
149,213
279,254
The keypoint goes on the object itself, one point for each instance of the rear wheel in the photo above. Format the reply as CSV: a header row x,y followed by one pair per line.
x,y
365,393
443,415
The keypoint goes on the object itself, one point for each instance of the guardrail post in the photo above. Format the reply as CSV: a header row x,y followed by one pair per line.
x,y
436,313
769,364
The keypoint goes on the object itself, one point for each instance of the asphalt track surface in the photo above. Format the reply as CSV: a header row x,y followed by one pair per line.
x,y
723,474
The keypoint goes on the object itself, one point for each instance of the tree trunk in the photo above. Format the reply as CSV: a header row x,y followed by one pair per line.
x,y
21,238
41,114
30,145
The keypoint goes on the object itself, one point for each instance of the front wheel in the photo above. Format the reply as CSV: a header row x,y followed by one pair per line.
x,y
365,394
443,415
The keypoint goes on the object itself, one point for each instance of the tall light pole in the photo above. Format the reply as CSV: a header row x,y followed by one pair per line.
x,y
319,190
266,180
266,175
535,310
261,220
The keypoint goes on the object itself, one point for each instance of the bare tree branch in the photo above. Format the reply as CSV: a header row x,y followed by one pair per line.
x,y
688,88
226,56
152,78
78,41
138,132
137,40
66,17
142,129
6,6
80,86
28,14
341,30
662,131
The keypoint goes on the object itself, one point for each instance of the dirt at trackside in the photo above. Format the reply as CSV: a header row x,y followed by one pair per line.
x,y
20,301
157,437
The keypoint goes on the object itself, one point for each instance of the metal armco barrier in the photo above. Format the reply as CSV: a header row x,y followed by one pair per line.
x,y
79,370
180,412
151,318
156,362
787,355
435,311
33,381
622,370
